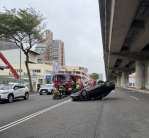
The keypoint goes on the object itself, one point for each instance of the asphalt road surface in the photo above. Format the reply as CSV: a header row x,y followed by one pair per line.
x,y
122,114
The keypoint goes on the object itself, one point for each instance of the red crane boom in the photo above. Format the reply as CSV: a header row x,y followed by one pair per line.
x,y
9,66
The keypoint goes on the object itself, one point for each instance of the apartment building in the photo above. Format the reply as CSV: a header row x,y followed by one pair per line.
x,y
58,53
51,51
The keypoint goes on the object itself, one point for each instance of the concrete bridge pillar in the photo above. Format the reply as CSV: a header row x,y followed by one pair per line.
x,y
118,80
146,69
127,79
115,81
123,82
139,74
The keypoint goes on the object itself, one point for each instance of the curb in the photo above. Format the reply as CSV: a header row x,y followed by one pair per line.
x,y
147,92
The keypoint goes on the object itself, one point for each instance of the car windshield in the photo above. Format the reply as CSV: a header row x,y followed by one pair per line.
x,y
48,85
62,78
6,87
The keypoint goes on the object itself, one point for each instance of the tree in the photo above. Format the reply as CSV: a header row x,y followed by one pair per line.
x,y
24,27
94,76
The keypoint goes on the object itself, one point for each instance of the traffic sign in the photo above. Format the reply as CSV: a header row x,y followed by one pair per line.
x,y
56,68
48,76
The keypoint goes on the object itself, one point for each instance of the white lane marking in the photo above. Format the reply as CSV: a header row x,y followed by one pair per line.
x,y
113,91
41,99
135,98
31,116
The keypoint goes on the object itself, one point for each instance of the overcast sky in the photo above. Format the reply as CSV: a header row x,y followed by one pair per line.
x,y
76,23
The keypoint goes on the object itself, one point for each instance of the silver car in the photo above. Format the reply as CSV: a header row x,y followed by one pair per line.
x,y
47,89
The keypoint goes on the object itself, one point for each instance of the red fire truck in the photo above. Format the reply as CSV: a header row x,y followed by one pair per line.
x,y
65,77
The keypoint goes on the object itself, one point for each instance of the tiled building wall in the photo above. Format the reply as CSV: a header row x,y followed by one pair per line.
x,y
53,50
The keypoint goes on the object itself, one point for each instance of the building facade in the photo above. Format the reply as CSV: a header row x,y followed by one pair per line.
x,y
40,73
13,56
51,51
75,70
49,35
7,45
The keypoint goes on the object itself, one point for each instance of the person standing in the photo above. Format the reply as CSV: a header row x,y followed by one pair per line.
x,y
78,86
72,86
61,88
38,87
82,87
66,92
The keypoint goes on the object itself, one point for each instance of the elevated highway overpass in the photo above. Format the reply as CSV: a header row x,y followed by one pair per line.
x,y
125,36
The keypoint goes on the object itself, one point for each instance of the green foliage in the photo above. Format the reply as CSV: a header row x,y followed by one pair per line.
x,y
23,27
94,76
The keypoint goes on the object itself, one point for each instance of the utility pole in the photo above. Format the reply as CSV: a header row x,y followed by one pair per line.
x,y
20,63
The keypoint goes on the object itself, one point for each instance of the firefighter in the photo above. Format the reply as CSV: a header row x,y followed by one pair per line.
x,y
78,86
73,86
38,86
65,93
61,88
66,88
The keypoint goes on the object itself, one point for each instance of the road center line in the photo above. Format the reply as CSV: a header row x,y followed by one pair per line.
x,y
135,98
31,116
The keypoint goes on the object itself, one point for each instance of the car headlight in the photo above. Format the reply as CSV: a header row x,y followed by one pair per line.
x,y
49,90
5,92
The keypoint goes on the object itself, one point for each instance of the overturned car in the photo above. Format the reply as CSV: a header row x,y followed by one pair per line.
x,y
98,91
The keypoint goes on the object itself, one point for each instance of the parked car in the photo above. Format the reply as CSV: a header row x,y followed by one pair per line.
x,y
9,92
47,89
98,91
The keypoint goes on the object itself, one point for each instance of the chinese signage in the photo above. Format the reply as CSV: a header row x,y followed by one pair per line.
x,y
132,79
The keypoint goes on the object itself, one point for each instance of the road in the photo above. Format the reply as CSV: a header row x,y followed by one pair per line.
x,y
122,114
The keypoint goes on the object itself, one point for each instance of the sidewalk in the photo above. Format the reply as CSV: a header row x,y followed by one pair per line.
x,y
32,93
141,90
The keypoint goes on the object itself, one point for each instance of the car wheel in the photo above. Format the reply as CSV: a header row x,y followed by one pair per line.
x,y
10,98
48,93
26,97
84,95
40,93
107,84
